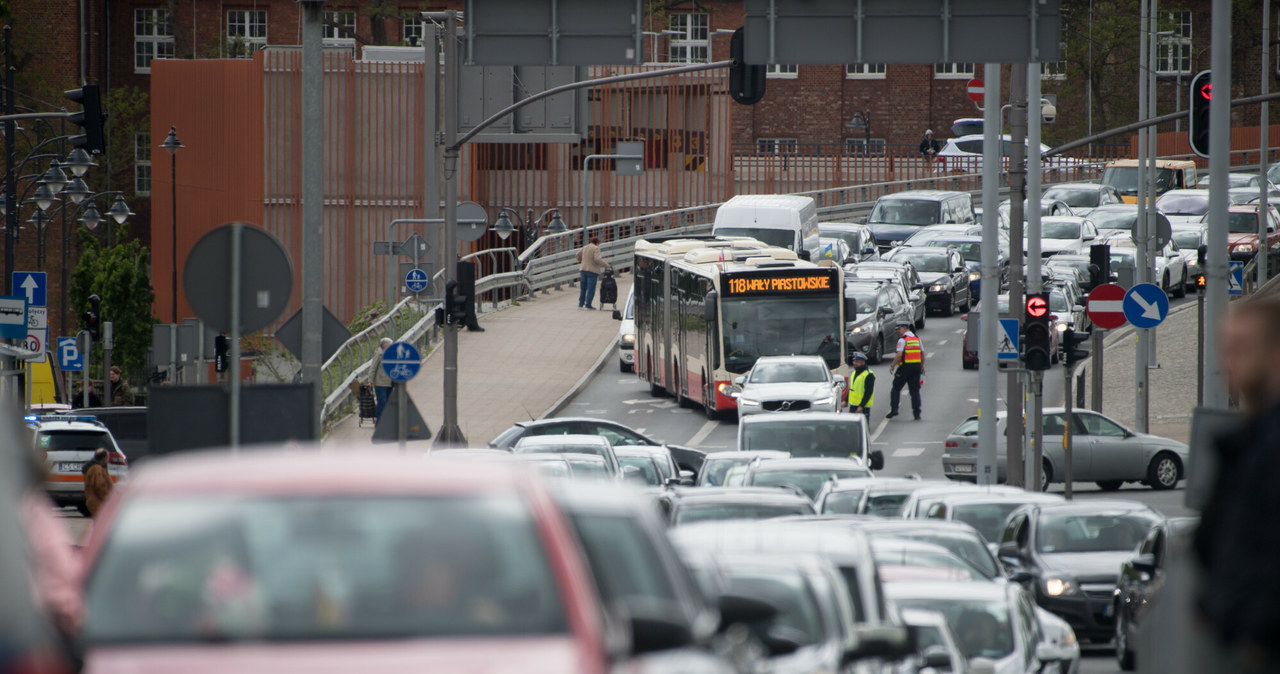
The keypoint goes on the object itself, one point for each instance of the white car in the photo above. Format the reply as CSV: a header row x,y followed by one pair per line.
x,y
627,334
1066,234
1170,268
1183,207
965,154
67,442
789,384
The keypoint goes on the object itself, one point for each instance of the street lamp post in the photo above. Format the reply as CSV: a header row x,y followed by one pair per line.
x,y
171,145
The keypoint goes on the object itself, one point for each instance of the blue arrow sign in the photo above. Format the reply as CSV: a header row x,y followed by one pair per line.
x,y
32,285
1007,347
401,361
1146,305
416,280
70,358
1235,280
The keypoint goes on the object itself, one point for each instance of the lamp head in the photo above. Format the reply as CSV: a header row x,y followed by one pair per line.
x,y
171,143
120,210
503,227
556,226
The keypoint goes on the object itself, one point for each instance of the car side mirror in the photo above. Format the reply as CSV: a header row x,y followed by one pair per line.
x,y
1020,577
1146,563
959,270
876,460
1009,551
686,478
739,381
937,658
736,609
1047,653
709,306
1077,308
982,666
918,286
890,642
657,626
885,311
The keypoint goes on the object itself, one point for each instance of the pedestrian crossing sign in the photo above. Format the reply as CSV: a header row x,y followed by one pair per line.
x,y
1235,280
1007,343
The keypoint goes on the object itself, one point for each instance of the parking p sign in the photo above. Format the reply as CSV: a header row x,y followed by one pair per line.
x,y
70,357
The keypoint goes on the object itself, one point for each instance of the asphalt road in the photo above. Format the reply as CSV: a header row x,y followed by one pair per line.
x,y
950,395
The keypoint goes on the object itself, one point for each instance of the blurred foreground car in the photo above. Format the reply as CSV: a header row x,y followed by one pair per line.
x,y
701,504
811,434
718,465
806,475
1141,577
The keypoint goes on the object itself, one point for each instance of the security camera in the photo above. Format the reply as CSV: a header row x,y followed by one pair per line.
x,y
1048,112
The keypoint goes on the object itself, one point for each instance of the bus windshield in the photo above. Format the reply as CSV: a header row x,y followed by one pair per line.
x,y
782,238
780,326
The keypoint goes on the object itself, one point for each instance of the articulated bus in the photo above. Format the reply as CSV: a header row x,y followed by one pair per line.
x,y
706,309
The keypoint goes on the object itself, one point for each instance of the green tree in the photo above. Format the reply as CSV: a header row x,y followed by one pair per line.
x,y
129,115
121,276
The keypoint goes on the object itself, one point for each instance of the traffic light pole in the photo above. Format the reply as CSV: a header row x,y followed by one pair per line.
x,y
1145,138
1067,436
988,368
1014,396
1096,369
1264,155
1215,390
1035,462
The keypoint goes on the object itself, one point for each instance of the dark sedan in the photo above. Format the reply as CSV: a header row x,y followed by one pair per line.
x,y
943,273
1141,577
1068,557
872,310
689,460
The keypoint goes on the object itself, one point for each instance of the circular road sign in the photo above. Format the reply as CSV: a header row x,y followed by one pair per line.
x,y
416,280
1146,305
401,361
976,89
1037,307
473,221
266,278
1106,306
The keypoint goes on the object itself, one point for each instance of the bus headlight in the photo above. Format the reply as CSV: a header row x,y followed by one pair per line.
x,y
628,339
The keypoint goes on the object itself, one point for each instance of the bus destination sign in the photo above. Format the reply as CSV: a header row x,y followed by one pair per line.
x,y
789,282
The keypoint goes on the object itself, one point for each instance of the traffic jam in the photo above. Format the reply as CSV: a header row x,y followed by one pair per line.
x,y
582,544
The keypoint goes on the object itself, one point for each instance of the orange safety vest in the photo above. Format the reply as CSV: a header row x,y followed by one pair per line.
x,y
911,352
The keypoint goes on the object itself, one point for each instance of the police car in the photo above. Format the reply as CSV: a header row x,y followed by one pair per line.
x,y
67,442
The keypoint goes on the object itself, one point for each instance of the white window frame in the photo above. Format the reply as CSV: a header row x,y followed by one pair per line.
x,y
142,163
1055,70
865,71
782,71
777,145
953,71
246,27
694,34
1174,54
347,19
854,146
152,37
412,25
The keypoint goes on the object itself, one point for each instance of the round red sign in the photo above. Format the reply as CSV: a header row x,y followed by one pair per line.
x,y
976,89
1106,306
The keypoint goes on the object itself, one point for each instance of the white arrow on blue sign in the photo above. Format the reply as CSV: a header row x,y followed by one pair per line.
x,y
1007,348
416,280
1235,280
70,357
401,361
33,285
1146,305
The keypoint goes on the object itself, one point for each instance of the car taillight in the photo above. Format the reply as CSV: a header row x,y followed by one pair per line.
x,y
117,459
951,444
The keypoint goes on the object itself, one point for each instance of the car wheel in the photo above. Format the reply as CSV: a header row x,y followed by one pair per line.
x,y
951,305
920,323
1046,475
709,407
1181,289
1165,283
876,349
1164,471
967,365
1110,485
1124,654
655,389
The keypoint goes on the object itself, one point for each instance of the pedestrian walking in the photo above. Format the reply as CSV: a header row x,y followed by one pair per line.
x,y
121,394
929,146
381,380
97,482
862,386
907,370
590,264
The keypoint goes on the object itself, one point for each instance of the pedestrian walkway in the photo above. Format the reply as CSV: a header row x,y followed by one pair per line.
x,y
529,357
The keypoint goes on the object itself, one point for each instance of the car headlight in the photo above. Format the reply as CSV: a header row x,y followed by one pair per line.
x,y
937,288
1243,248
1068,639
1057,586
823,401
628,339
748,402
974,276
1062,327
856,331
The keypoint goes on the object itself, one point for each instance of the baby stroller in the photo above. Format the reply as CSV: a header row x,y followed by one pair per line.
x,y
368,405
608,290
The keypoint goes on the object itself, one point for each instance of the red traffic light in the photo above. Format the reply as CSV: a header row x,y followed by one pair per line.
x,y
1206,91
1037,307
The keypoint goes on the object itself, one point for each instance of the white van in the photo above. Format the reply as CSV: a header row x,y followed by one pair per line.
x,y
775,219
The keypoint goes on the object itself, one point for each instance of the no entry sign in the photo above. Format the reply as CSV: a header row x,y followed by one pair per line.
x,y
1106,306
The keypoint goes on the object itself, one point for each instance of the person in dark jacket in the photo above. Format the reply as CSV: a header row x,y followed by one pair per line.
x,y
1238,541
930,147
97,482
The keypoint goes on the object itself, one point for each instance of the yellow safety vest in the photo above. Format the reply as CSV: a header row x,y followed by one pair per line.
x,y
857,386
911,352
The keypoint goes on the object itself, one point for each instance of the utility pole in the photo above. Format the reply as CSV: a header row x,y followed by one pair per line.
x,y
1035,114
10,176
1018,206
1264,155
1145,137
450,433
1153,136
988,317
1215,389
312,208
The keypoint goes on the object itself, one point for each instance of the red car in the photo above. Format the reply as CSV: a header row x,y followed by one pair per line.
x,y
363,561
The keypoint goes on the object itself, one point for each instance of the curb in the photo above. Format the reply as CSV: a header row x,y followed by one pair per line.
x,y
560,404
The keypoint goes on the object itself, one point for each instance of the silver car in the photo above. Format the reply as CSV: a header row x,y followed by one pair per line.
x,y
789,384
1103,451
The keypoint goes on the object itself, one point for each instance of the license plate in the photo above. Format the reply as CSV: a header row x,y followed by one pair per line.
x,y
962,468
69,466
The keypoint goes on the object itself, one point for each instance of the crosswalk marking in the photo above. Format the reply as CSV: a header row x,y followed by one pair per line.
x,y
904,452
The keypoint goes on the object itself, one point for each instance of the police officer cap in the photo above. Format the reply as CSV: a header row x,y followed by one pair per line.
x,y
858,355
904,324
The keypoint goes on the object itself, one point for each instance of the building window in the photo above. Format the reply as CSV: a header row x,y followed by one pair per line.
x,y
1173,55
952,70
776,145
864,71
783,71
142,164
412,29
340,28
691,38
246,32
858,147
152,38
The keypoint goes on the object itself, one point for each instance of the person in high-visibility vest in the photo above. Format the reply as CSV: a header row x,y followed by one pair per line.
x,y
907,370
862,386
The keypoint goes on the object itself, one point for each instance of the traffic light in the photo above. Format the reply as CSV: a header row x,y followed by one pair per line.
x,y
1198,122
90,118
746,82
1036,345
221,345
455,305
92,319
1072,342
1100,259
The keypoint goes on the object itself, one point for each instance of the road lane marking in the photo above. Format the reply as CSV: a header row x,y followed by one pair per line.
x,y
597,411
960,331
703,432
905,452
941,342
879,429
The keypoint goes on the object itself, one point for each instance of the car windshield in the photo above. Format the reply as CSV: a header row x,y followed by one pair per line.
x,y
1058,303
714,470
798,617
595,450
737,511
934,559
1118,219
623,562
1122,257
905,212
861,302
1242,223
965,546
982,627
645,465
205,569
788,372
1094,532
806,438
780,326
935,263
1073,197
886,504
590,467
987,518
782,238
1187,240
1183,204
843,502
971,251
809,481
1060,230
61,441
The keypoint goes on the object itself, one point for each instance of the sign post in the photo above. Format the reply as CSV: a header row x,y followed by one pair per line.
x,y
401,361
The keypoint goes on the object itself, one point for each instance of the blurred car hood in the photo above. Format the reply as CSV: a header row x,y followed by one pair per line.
x,y
929,278
786,390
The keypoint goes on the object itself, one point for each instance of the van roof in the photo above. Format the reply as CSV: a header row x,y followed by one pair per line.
x,y
1160,163
769,201
925,195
